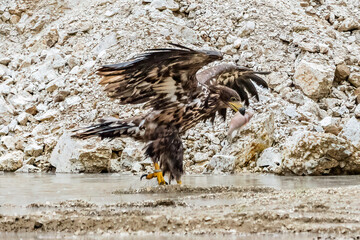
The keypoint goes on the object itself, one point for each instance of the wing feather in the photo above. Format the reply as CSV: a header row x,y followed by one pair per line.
x,y
238,78
165,75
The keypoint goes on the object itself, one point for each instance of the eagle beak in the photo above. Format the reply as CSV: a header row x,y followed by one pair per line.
x,y
235,105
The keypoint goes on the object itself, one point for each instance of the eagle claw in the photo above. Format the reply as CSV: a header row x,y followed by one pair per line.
x,y
158,175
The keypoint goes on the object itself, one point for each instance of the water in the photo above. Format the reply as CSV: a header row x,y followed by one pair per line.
x,y
24,189
17,191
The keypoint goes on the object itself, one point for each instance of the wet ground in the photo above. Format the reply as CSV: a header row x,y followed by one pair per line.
x,y
117,206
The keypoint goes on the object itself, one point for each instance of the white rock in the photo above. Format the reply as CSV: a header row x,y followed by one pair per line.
x,y
315,80
221,164
11,161
136,167
4,89
357,111
247,29
271,159
48,115
107,42
34,150
4,130
72,155
132,154
73,100
165,4
9,142
23,118
28,169
4,60
351,131
291,111
320,153
349,24
200,157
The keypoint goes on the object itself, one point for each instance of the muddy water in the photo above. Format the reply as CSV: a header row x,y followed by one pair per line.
x,y
24,189
118,206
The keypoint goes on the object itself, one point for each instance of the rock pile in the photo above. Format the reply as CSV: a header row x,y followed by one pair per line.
x,y
307,123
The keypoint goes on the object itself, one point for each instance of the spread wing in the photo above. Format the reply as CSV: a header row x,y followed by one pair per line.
x,y
158,77
238,78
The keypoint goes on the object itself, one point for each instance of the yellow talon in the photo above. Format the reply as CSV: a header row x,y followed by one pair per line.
x,y
179,182
157,173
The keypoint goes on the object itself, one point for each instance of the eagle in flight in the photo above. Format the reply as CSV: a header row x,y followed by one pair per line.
x,y
177,97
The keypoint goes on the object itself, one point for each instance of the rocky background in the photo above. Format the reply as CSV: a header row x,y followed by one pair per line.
x,y
307,123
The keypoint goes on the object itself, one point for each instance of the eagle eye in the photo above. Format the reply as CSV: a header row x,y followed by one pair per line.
x,y
233,99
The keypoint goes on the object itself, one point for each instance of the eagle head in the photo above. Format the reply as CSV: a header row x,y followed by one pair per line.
x,y
230,98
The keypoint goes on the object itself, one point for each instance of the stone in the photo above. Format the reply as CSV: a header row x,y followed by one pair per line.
x,y
132,154
247,29
357,111
291,111
351,131
4,130
9,142
270,159
251,140
14,19
165,4
32,110
221,164
330,125
349,24
5,60
315,80
73,100
34,150
28,169
23,118
321,153
11,161
48,115
136,167
201,157
72,155
342,72
105,43
354,79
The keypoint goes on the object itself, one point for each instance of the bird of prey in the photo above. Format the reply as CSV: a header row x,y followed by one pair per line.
x,y
165,80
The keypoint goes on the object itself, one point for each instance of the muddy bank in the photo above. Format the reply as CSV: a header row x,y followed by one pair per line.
x,y
210,211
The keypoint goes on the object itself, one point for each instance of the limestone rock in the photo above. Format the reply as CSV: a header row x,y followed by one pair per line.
x,y
11,161
321,153
165,4
221,164
270,159
351,131
72,155
34,150
315,80
349,24
354,79
9,142
28,169
256,136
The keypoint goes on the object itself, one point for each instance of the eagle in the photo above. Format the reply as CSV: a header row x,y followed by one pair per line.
x,y
176,96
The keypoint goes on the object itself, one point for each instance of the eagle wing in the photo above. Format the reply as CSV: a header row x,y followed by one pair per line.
x,y
159,77
238,78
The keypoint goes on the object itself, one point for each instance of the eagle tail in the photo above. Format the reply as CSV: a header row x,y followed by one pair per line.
x,y
109,128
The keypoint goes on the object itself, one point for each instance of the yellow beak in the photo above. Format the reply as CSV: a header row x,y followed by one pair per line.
x,y
235,106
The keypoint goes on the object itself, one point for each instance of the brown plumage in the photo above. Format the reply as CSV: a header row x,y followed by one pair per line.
x,y
165,81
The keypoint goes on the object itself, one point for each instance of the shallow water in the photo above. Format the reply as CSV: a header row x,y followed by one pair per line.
x,y
17,191
24,189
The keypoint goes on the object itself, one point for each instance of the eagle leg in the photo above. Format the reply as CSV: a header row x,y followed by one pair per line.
x,y
157,173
